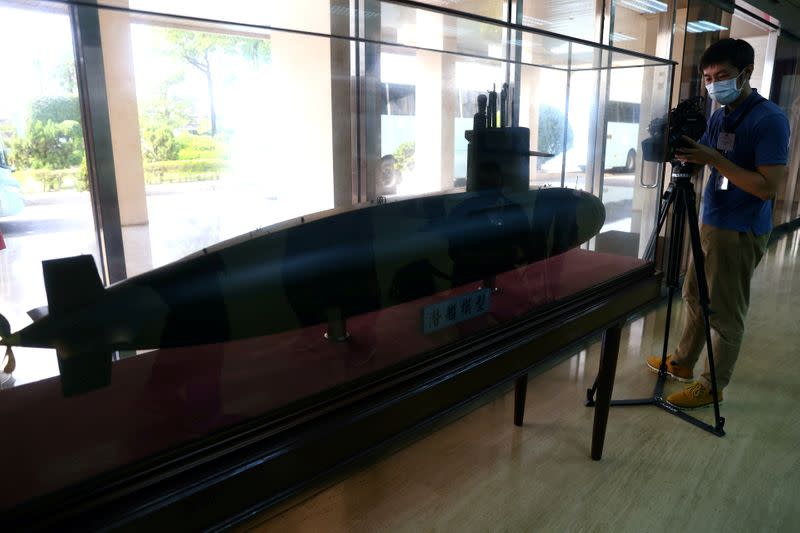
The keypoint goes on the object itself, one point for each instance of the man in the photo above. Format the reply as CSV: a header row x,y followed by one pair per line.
x,y
746,145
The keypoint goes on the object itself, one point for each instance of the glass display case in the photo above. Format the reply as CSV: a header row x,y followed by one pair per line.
x,y
288,187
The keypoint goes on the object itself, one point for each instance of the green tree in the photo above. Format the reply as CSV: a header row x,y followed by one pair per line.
x,y
82,177
160,144
64,74
8,136
199,50
50,145
165,111
551,131
404,156
55,109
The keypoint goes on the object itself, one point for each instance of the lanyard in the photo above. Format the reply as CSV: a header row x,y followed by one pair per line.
x,y
746,111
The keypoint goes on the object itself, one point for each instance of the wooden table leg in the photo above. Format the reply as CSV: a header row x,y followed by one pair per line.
x,y
520,390
605,386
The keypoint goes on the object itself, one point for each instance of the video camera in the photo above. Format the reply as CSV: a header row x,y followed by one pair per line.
x,y
688,118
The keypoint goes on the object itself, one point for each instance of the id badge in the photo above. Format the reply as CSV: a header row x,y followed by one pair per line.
x,y
722,183
725,141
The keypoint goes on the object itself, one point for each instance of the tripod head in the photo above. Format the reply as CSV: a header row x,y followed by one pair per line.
x,y
680,184
682,172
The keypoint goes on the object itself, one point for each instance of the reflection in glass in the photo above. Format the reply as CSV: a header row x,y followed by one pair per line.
x,y
428,104
235,135
496,9
763,39
220,129
579,19
40,126
705,24
638,25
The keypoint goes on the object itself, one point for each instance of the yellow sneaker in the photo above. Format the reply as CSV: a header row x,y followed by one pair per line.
x,y
681,373
694,396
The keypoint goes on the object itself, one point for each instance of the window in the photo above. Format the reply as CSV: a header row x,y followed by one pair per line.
x,y
45,207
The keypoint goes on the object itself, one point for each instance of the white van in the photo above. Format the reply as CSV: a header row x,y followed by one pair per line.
x,y
621,140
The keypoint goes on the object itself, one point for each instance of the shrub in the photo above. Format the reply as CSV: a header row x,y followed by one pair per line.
x,y
82,177
159,144
182,171
551,131
404,156
47,179
200,147
50,145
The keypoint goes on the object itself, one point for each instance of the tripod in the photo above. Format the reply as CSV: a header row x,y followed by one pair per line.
x,y
681,197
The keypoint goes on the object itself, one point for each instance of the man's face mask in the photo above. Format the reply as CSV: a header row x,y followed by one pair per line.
x,y
725,91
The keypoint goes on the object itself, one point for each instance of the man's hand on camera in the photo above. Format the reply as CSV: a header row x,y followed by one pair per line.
x,y
762,183
695,152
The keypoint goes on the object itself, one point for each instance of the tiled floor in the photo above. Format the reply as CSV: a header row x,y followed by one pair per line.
x,y
481,473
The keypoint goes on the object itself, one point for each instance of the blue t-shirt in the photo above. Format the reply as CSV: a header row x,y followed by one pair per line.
x,y
762,138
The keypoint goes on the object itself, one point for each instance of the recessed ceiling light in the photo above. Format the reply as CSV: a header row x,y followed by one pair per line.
x,y
621,37
533,21
702,26
644,6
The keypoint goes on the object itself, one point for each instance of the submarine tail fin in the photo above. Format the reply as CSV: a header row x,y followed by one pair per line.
x,y
38,313
71,283
83,372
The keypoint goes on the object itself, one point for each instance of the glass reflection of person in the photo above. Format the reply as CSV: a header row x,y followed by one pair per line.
x,y
388,176
746,146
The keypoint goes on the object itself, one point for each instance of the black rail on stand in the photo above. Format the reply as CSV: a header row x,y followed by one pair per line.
x,y
681,197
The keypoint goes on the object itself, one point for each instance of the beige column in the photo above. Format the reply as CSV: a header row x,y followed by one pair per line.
x,y
448,115
428,156
301,156
429,105
343,149
123,110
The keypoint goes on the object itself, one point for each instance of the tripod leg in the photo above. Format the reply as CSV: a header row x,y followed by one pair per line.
x,y
666,201
672,277
520,389
590,393
702,289
662,369
681,197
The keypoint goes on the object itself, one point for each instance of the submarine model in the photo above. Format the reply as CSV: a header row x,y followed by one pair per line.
x,y
300,273
312,270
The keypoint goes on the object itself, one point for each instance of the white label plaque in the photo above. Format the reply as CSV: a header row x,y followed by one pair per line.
x,y
454,310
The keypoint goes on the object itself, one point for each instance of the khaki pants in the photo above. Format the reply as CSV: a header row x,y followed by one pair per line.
x,y
730,259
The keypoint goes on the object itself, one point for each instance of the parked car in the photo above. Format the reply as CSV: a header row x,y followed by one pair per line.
x,y
11,201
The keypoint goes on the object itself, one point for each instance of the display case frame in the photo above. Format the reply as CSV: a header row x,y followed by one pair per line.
x,y
233,468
